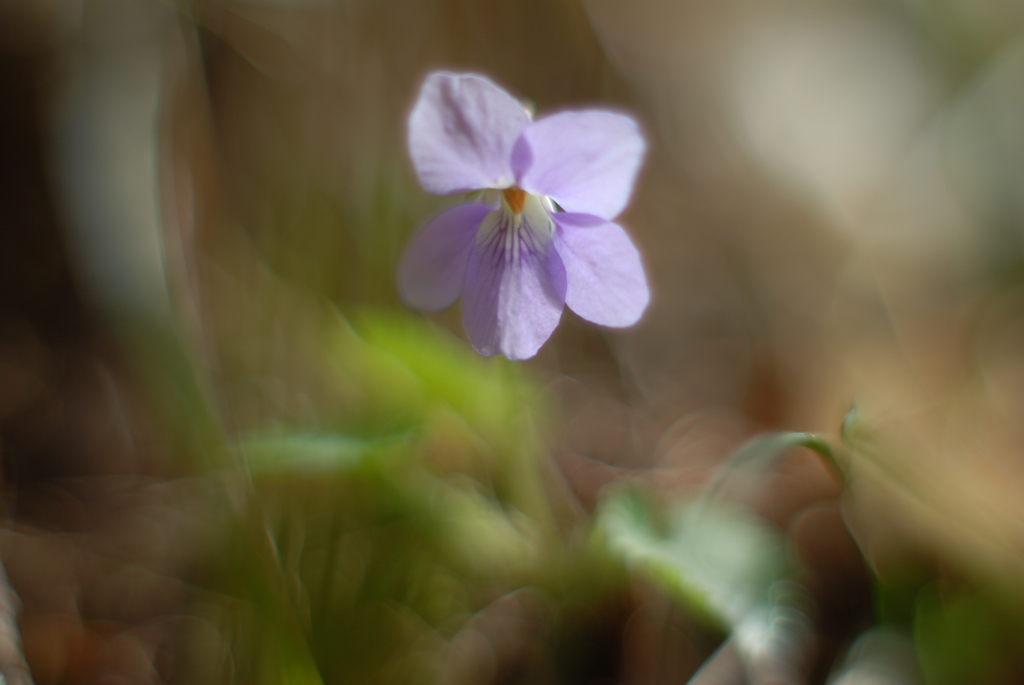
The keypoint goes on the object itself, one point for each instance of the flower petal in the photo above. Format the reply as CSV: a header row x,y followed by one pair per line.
x,y
433,266
461,133
512,305
587,161
606,281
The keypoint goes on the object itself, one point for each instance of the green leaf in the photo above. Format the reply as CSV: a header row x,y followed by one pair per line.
x,y
718,558
314,452
725,564
488,392
406,369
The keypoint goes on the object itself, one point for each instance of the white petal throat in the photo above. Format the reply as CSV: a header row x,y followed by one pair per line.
x,y
511,236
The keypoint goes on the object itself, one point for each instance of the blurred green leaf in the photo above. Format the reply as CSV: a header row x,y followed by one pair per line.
x,y
402,373
312,452
397,364
488,392
718,558
724,563
967,636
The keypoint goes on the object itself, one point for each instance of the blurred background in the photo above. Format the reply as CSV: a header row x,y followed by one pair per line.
x,y
231,455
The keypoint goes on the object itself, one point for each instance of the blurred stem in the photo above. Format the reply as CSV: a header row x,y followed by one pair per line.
x,y
767,450
825,451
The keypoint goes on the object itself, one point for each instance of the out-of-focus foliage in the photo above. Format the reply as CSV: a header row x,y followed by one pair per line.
x,y
880,655
966,634
394,524
966,626
721,560
725,562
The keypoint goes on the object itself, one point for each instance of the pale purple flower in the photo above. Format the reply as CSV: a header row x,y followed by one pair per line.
x,y
540,234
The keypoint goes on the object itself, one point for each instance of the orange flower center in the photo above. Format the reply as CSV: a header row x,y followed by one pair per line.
x,y
516,198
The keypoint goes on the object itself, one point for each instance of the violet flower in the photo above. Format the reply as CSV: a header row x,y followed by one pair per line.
x,y
540,233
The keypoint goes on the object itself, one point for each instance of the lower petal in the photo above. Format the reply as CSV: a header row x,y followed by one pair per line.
x,y
433,267
512,306
606,281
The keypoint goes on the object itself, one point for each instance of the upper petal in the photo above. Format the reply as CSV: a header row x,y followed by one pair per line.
x,y
461,133
606,281
433,267
512,303
587,161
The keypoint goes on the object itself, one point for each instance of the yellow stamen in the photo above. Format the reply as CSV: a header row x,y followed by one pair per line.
x,y
516,198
